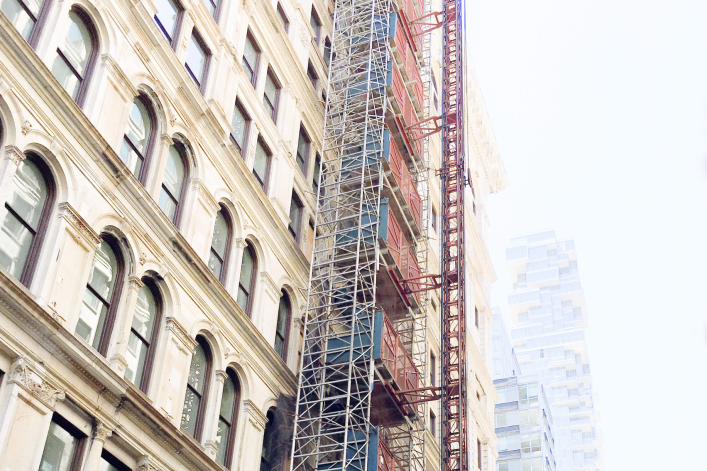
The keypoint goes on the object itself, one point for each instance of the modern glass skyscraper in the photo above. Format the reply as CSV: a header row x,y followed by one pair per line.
x,y
549,317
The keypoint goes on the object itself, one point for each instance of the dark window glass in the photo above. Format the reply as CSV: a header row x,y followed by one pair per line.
x,y
101,296
251,53
478,452
267,463
312,74
240,123
23,14
327,51
62,448
476,317
434,219
219,245
167,18
74,55
303,150
316,24
138,136
172,183
283,18
295,216
227,419
433,423
315,173
282,328
197,59
246,280
143,335
26,211
109,462
261,165
433,369
271,95
197,389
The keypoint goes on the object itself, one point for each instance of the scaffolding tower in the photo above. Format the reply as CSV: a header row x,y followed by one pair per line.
x,y
365,328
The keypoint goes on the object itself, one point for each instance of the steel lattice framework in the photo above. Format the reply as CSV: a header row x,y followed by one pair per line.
x,y
332,421
454,401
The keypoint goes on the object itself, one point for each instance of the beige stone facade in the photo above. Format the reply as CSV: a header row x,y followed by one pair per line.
x,y
128,288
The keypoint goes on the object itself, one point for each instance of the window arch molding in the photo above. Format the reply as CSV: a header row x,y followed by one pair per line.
x,y
289,298
252,245
178,168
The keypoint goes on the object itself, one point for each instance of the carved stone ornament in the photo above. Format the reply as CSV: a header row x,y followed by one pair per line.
x,y
101,432
25,374
135,282
248,7
26,126
146,464
304,34
15,154
181,333
80,226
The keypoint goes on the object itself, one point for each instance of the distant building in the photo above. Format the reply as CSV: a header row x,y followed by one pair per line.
x,y
523,425
549,316
505,363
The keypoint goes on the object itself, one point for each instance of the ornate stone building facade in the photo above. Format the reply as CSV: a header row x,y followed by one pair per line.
x,y
160,160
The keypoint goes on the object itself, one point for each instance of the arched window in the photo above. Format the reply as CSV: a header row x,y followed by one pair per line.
x,y
26,217
143,334
228,418
282,330
100,300
246,281
267,462
173,182
220,244
23,14
137,142
197,389
76,55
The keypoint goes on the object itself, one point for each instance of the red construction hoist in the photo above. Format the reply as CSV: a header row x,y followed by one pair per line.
x,y
454,387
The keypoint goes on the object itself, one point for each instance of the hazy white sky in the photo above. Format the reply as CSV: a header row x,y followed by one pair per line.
x,y
600,112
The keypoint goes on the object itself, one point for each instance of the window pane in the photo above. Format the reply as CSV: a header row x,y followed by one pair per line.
x,y
103,272
104,465
196,59
172,183
238,125
250,57
220,239
15,242
302,151
245,279
145,313
19,17
77,46
58,450
91,319
190,412
228,398
260,165
29,193
283,18
174,172
281,328
139,126
197,369
66,77
135,356
295,214
270,95
221,440
166,17
215,265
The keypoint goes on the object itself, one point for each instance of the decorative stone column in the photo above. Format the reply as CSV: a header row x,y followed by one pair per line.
x,y
211,423
252,436
29,394
100,434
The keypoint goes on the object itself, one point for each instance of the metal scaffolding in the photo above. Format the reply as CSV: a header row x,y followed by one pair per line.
x,y
342,420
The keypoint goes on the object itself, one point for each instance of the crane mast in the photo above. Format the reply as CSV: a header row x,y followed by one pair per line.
x,y
455,455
